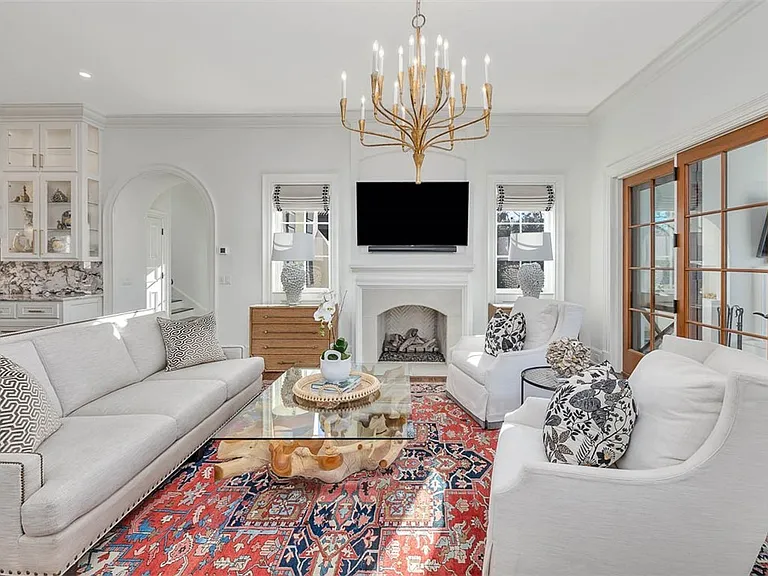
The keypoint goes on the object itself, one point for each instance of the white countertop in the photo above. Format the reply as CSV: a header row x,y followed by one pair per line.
x,y
46,298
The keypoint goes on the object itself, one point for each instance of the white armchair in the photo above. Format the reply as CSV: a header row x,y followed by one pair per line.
x,y
707,515
488,387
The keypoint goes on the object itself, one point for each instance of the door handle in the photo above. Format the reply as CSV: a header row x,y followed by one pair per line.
x,y
34,160
41,160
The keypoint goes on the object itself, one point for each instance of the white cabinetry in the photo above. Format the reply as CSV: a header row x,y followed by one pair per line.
x,y
30,314
50,197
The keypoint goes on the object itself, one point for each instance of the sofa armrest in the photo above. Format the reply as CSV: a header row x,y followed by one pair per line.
x,y
504,376
531,413
21,475
234,352
475,343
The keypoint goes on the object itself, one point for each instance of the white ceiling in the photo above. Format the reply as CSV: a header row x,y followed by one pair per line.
x,y
286,56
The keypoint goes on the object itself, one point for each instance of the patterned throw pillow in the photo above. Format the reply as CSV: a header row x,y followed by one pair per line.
x,y
190,341
505,333
590,418
27,416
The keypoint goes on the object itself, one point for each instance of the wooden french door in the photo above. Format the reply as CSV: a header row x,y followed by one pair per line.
x,y
723,263
650,303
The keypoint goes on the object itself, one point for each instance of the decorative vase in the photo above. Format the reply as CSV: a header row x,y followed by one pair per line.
x,y
531,278
333,367
293,278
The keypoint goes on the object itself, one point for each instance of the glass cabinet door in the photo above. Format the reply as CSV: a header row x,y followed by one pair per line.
x,y
92,248
21,216
58,146
58,193
22,146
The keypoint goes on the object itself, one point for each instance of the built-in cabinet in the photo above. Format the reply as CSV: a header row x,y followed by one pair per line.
x,y
50,197
28,314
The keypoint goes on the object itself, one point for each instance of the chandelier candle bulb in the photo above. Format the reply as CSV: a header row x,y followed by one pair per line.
x,y
395,94
445,55
423,51
487,69
410,49
381,61
375,61
400,60
437,61
362,106
344,85
464,71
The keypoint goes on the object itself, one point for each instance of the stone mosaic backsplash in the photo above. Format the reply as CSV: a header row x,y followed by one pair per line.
x,y
50,278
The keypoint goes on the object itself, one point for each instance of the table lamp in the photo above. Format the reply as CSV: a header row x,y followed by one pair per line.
x,y
530,247
295,249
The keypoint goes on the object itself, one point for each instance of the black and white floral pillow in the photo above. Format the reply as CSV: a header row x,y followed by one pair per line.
x,y
505,333
590,418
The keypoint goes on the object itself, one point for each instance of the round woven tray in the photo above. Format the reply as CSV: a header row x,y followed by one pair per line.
x,y
369,385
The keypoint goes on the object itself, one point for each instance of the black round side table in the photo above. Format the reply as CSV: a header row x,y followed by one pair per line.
x,y
541,377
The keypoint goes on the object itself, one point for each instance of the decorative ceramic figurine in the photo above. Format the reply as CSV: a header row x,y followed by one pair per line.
x,y
59,196
24,197
57,245
21,242
29,217
66,221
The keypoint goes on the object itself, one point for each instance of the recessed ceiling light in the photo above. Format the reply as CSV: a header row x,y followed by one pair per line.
x,y
85,74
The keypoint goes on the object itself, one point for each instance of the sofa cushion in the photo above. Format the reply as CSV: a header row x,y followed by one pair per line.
x,y
474,363
540,320
505,333
678,403
589,419
27,416
188,402
86,461
144,342
86,363
190,341
237,374
25,355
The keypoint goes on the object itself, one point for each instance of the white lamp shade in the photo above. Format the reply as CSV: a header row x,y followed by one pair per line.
x,y
289,247
530,247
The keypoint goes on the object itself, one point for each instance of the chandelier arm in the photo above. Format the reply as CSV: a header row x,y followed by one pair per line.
x,y
447,121
444,148
398,141
463,139
403,130
392,119
437,137
423,142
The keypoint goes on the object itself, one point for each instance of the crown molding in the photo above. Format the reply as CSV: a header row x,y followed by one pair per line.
x,y
52,113
728,122
310,120
712,25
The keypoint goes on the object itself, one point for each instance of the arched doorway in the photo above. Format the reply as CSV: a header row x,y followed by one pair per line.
x,y
159,244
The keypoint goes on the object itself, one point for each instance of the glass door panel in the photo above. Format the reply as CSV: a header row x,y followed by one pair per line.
x,y
58,146
704,185
747,174
704,238
21,219
649,293
58,196
22,147
704,297
745,247
94,219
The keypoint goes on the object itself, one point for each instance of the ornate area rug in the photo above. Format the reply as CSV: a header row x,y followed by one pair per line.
x,y
426,514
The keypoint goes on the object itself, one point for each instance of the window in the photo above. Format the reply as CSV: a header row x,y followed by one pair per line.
x,y
517,213
299,209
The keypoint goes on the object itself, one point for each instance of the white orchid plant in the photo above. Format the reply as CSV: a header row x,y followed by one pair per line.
x,y
329,308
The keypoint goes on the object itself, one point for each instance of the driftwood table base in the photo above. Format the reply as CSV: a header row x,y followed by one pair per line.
x,y
329,460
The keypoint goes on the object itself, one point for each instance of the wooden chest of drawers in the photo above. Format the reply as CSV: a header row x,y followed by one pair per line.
x,y
286,336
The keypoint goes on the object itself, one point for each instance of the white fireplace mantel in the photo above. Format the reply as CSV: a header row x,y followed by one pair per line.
x,y
445,289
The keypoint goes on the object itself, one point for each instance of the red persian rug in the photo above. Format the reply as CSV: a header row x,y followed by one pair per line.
x,y
426,514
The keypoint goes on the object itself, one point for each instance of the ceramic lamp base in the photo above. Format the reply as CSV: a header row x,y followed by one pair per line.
x,y
293,278
531,278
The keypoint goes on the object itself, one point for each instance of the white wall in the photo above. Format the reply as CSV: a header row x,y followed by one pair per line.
x,y
230,162
658,113
190,244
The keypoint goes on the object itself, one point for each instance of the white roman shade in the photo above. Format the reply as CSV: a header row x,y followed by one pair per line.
x,y
302,197
525,197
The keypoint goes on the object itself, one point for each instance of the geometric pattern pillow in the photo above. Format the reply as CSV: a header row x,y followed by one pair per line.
x,y
27,416
505,333
590,418
190,341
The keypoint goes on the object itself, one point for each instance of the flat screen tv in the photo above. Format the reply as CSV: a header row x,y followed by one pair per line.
x,y
409,215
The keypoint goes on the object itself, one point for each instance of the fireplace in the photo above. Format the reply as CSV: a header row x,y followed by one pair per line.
x,y
411,333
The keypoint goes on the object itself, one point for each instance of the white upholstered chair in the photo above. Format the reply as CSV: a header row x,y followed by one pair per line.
x,y
707,514
489,386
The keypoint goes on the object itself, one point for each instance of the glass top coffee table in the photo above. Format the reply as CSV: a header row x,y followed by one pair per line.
x,y
295,439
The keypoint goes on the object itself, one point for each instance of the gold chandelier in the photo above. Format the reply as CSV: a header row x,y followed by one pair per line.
x,y
423,123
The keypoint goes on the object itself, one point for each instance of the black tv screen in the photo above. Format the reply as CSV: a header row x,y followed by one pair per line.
x,y
410,214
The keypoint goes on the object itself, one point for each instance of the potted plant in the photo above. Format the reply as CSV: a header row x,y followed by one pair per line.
x,y
336,362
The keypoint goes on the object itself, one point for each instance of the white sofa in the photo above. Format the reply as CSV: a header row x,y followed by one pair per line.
x,y
488,387
706,515
126,426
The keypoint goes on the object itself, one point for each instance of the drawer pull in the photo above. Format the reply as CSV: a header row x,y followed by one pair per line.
x,y
286,363
266,331
35,311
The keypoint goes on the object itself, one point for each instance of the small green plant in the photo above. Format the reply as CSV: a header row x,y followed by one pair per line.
x,y
341,346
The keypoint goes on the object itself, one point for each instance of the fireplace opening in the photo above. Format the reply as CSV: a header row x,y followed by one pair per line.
x,y
412,334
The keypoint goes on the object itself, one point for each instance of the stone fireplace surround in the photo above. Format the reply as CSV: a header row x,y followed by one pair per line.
x,y
378,289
